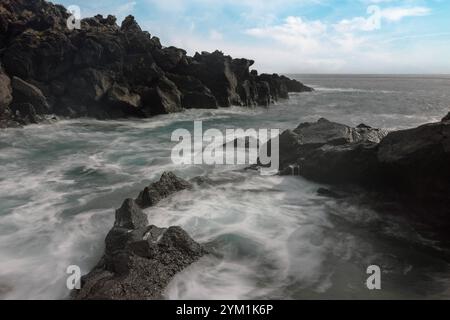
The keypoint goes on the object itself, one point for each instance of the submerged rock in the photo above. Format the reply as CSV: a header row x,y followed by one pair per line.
x,y
140,260
329,193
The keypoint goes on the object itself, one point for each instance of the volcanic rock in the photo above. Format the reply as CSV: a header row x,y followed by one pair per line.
x,y
140,260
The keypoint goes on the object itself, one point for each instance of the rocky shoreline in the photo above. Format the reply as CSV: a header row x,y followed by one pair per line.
x,y
140,259
410,167
107,71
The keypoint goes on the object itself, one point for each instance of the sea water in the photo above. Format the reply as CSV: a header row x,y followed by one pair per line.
x,y
273,237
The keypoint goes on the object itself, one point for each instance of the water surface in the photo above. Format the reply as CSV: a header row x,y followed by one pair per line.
x,y
274,236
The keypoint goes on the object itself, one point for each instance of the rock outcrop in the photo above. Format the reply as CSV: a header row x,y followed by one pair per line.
x,y
5,90
329,152
5,99
410,166
417,163
140,260
446,118
104,70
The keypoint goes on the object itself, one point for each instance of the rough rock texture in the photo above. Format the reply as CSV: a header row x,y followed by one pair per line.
x,y
329,152
194,93
410,166
446,118
24,92
417,162
5,90
140,260
5,100
166,186
104,70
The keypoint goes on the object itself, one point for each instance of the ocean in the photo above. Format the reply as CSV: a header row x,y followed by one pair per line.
x,y
275,238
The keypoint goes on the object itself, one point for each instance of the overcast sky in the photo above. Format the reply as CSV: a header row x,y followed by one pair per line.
x,y
300,36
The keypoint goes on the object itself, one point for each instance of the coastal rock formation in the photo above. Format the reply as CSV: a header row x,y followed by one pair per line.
x,y
5,90
329,152
410,166
5,99
140,260
104,70
417,162
446,118
24,92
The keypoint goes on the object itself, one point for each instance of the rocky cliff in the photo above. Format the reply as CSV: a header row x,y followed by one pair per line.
x,y
104,70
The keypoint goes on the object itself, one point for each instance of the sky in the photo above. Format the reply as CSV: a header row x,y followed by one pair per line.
x,y
300,36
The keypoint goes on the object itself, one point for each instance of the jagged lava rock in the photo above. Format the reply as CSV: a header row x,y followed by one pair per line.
x,y
140,260
409,166
329,152
106,71
166,186
446,118
417,162
24,92
5,90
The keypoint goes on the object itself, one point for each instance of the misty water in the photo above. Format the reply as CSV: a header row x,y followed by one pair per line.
x,y
274,237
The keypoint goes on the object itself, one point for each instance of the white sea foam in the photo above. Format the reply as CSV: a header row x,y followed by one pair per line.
x,y
273,237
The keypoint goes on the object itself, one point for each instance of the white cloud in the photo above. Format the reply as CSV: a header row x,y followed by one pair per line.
x,y
300,45
377,16
396,14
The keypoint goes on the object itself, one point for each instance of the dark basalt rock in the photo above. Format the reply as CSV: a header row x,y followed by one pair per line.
x,y
417,162
166,186
140,260
278,86
162,99
311,144
263,94
24,92
130,25
170,58
90,85
329,193
6,115
195,95
245,142
215,71
100,70
294,85
25,113
130,216
120,97
39,55
409,166
350,163
446,118
5,90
